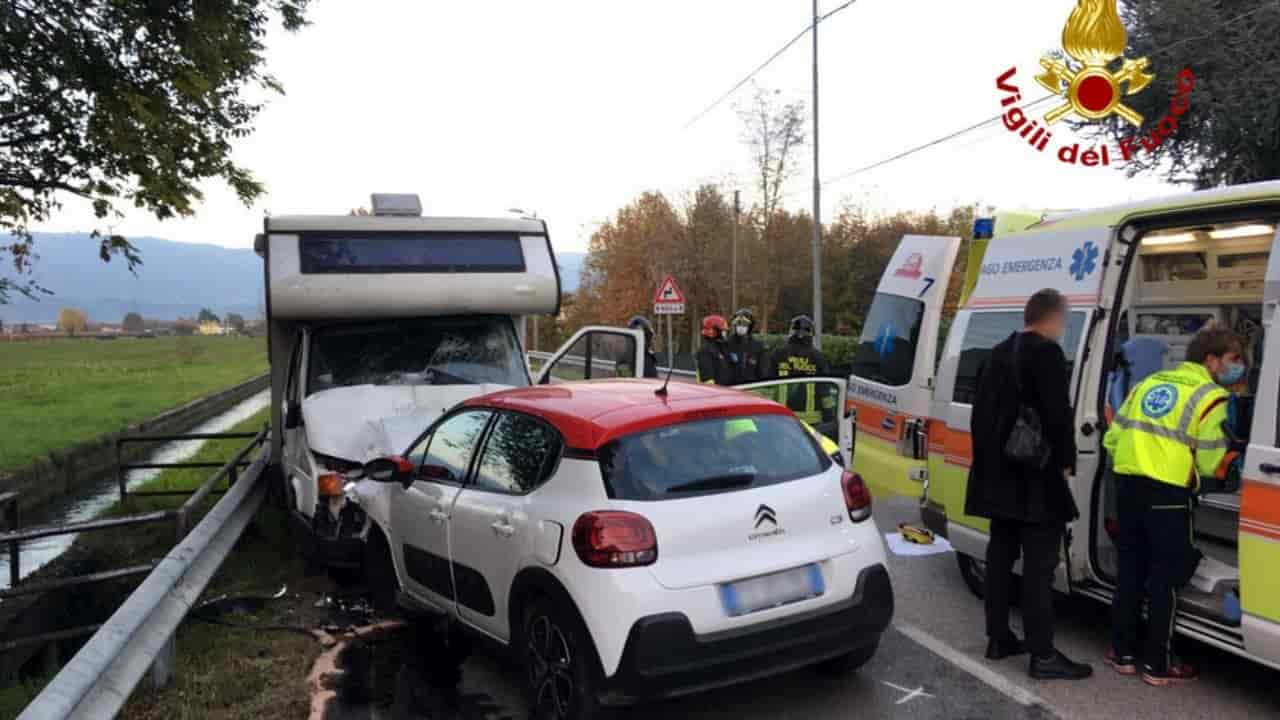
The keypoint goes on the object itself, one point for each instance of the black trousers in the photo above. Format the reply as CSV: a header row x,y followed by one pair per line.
x,y
1038,545
1157,555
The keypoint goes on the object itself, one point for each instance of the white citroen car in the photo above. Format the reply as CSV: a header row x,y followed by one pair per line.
x,y
630,541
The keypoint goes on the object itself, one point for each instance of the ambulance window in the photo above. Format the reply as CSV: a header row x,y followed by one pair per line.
x,y
988,329
886,351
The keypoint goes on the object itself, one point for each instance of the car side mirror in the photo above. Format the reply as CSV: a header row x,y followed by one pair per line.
x,y
292,416
392,468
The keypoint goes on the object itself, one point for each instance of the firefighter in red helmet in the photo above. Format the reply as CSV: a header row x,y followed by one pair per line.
x,y
713,363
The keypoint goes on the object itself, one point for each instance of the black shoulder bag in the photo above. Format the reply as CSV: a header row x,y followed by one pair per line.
x,y
1026,444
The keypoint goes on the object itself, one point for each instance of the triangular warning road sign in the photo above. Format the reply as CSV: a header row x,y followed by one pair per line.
x,y
668,292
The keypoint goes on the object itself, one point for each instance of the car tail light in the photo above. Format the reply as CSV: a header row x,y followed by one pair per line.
x,y
857,498
614,539
329,484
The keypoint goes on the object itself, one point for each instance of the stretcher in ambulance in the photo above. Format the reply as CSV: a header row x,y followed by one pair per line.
x,y
1153,272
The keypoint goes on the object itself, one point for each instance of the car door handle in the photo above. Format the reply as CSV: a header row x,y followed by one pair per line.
x,y
438,515
503,528
1270,468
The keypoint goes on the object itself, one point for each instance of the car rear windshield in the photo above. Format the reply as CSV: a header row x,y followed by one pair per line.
x,y
886,351
416,351
423,252
704,457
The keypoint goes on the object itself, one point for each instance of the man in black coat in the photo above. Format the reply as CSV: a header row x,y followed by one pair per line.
x,y
1028,506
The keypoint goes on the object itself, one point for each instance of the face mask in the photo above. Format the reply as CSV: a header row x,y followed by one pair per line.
x,y
741,330
1231,373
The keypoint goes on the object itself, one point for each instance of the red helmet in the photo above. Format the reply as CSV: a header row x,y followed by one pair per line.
x,y
714,326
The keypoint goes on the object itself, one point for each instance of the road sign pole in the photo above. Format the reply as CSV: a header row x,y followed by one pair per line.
x,y
671,356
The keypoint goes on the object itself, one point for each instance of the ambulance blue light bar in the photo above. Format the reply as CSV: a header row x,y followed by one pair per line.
x,y
984,228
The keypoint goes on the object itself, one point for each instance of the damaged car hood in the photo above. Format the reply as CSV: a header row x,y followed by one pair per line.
x,y
362,422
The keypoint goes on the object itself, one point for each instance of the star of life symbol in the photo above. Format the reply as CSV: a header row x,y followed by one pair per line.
x,y
1094,37
1159,400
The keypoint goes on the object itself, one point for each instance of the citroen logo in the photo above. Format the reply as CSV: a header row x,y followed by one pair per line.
x,y
763,513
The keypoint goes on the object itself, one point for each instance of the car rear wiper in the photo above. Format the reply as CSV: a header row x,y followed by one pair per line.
x,y
718,482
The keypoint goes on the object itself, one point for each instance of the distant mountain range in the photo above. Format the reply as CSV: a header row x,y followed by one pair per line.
x,y
175,280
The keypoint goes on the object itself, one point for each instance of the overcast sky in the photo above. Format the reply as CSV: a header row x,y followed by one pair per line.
x,y
570,108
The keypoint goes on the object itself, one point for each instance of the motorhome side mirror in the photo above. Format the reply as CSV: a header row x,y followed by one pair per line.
x,y
292,416
388,469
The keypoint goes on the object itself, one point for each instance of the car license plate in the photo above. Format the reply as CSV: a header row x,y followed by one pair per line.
x,y
773,590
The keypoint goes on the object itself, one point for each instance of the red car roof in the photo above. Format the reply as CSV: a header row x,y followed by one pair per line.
x,y
591,413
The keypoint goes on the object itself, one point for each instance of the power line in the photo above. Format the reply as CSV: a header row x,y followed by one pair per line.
x,y
777,54
988,121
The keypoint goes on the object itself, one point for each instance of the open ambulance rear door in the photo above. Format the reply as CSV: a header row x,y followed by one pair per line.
x,y
1260,495
892,382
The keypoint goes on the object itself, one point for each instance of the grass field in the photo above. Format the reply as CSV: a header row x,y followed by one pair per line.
x,y
55,393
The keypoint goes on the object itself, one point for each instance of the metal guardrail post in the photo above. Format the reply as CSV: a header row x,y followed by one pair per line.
x,y
162,667
15,570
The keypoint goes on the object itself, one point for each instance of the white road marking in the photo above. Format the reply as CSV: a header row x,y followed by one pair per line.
x,y
910,694
975,668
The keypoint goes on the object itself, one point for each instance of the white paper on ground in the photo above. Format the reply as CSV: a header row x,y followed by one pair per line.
x,y
908,549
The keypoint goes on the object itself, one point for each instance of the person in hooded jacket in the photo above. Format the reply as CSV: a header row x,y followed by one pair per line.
x,y
640,322
1029,506
745,353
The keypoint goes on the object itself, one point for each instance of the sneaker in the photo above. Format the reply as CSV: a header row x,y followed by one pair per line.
x,y
1177,672
1123,664
999,649
1058,667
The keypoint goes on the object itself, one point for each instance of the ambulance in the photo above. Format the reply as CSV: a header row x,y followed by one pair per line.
x,y
1158,269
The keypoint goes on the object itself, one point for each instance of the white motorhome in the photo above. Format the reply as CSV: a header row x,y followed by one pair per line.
x,y
1158,269
377,325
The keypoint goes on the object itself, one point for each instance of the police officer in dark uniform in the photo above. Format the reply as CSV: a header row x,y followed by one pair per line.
x,y
799,358
746,354
640,322
713,360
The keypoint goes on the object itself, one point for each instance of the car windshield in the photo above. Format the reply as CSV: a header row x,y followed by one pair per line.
x,y
709,456
418,351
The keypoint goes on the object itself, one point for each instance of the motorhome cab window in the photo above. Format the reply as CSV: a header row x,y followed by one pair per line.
x,y
418,351
988,329
887,349
430,252
1185,279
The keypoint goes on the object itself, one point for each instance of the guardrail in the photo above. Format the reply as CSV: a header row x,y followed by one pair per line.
x,y
140,633
579,361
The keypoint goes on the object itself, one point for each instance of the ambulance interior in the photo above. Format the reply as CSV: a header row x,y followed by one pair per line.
x,y
1184,279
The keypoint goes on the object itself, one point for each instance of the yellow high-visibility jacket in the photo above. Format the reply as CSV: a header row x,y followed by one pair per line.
x,y
1170,428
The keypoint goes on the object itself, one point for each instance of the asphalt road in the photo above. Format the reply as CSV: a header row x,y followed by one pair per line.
x,y
929,665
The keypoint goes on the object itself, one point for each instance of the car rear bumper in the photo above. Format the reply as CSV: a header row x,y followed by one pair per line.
x,y
663,657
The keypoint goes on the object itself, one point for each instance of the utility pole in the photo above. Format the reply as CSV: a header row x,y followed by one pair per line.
x,y
737,195
817,198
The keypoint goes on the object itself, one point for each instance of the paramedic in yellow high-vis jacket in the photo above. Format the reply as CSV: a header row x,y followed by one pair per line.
x,y
1165,437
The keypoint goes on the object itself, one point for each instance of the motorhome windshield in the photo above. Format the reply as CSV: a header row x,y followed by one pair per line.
x,y
416,351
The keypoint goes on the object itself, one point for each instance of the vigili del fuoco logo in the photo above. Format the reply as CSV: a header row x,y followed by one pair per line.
x,y
1093,82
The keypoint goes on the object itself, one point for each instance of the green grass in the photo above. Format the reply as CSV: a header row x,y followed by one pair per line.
x,y
57,393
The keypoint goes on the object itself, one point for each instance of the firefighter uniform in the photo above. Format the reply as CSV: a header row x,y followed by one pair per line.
x,y
796,360
1166,435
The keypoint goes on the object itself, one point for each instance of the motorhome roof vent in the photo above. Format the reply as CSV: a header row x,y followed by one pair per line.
x,y
396,204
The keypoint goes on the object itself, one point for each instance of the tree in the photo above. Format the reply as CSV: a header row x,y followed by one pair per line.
x,y
773,132
236,322
183,326
133,323
207,315
1231,132
125,103
72,321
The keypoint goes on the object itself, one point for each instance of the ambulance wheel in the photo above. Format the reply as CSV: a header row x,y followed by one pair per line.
x,y
974,572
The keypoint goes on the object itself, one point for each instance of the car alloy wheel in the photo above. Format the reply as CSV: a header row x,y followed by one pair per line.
x,y
549,664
